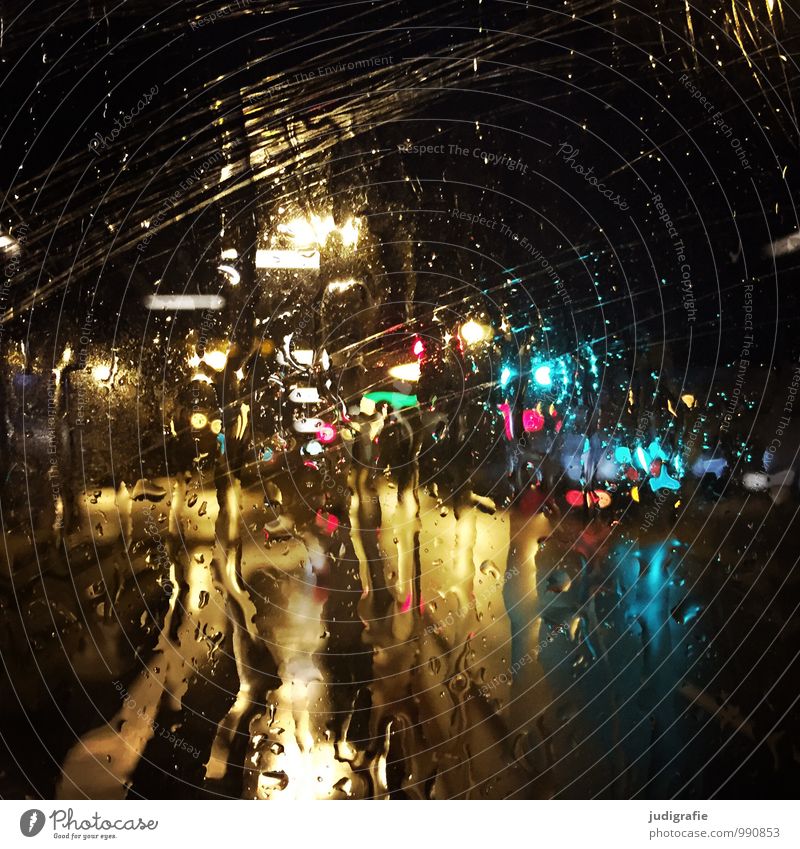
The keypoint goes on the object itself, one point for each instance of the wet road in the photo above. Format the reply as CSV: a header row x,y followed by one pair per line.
x,y
434,647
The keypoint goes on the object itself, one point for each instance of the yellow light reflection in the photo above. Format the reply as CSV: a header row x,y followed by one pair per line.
x,y
315,230
341,285
472,332
101,373
216,359
407,371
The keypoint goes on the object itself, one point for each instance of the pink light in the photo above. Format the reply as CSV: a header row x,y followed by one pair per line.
x,y
419,348
326,433
532,420
327,521
406,604
574,498
505,409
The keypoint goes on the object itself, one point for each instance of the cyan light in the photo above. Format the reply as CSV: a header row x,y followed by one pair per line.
x,y
622,454
664,481
505,376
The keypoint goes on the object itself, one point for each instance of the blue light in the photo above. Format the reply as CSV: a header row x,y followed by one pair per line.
x,y
542,376
313,448
664,481
505,376
622,454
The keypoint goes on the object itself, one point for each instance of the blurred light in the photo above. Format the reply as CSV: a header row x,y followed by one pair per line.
x,y
304,233
635,493
472,332
327,521
215,359
348,232
229,253
395,399
287,259
603,498
505,376
419,348
705,465
574,498
101,373
304,356
622,454
304,394
367,406
308,232
315,231
267,454
313,448
8,243
689,400
542,376
233,275
505,409
307,425
644,460
532,421
407,371
216,426
184,302
326,433
664,481
198,421
341,285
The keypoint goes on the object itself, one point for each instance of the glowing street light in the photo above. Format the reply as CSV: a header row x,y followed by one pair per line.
x,y
315,231
472,332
